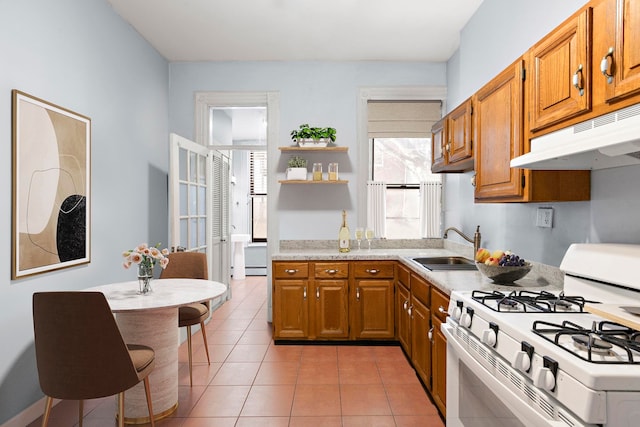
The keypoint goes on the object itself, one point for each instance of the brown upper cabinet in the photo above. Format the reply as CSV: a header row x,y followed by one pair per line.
x,y
617,41
498,131
611,76
560,73
451,141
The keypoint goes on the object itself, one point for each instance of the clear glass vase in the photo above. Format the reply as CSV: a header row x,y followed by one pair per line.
x,y
145,276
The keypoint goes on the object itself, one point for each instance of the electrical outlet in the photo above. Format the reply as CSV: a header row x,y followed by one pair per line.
x,y
544,217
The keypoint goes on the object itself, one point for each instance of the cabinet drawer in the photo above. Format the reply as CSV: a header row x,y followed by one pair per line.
x,y
420,289
403,276
438,299
290,270
331,270
380,269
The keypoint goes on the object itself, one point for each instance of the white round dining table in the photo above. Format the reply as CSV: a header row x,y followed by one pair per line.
x,y
152,319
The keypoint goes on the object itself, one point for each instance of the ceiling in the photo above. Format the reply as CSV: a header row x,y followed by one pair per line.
x,y
300,30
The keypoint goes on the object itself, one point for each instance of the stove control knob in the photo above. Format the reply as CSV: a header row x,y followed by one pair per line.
x,y
465,320
522,361
489,337
544,378
456,313
456,310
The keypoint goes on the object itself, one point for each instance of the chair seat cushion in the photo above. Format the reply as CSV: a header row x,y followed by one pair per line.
x,y
141,355
192,314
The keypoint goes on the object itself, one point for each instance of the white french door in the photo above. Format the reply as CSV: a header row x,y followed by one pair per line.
x,y
198,204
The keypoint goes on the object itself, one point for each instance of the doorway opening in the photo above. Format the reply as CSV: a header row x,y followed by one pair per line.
x,y
241,133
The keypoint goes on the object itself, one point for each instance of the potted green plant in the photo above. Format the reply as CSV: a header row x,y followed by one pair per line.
x,y
306,136
297,168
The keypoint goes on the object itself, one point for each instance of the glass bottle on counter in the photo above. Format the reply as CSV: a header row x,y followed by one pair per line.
x,y
344,237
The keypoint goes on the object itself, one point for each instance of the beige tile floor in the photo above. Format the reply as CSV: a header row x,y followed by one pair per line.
x,y
252,382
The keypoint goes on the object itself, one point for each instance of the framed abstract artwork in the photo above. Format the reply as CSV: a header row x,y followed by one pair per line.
x,y
51,196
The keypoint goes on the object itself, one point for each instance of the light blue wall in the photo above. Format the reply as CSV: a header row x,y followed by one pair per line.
x,y
80,55
499,32
321,94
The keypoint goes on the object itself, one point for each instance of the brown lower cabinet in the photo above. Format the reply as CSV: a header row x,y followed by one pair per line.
x,y
364,300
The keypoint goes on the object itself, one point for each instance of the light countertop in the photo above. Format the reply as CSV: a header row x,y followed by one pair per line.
x,y
541,277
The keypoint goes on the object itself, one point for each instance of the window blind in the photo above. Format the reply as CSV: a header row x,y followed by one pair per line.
x,y
402,119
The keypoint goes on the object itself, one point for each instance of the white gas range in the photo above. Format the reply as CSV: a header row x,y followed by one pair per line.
x,y
530,358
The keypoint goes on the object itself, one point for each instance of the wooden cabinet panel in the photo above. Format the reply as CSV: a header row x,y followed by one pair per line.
x,y
403,320
331,309
290,270
291,309
560,71
439,366
439,306
451,141
459,145
331,270
622,57
420,344
373,309
378,269
498,130
438,153
420,289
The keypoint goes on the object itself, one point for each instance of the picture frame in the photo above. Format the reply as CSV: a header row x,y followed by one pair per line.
x,y
51,194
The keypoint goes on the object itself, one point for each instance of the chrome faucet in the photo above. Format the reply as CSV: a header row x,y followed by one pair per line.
x,y
477,238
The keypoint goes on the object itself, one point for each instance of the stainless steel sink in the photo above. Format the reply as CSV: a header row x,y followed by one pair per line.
x,y
446,263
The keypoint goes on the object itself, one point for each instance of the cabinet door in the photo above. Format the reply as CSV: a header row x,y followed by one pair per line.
x,y
498,130
439,305
403,301
420,344
622,61
290,309
560,73
459,146
438,138
331,309
439,386
373,306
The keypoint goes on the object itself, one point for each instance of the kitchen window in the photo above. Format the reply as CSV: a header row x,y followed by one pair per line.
x,y
400,153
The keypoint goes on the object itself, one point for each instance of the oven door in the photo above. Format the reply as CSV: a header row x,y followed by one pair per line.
x,y
476,397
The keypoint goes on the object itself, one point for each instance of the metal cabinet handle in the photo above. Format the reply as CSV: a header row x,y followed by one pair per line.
x,y
317,292
442,310
304,293
291,271
357,294
447,146
430,334
605,66
372,271
577,80
410,311
405,305
331,271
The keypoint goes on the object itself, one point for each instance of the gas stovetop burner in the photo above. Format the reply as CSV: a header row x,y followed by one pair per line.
x,y
603,342
592,343
530,301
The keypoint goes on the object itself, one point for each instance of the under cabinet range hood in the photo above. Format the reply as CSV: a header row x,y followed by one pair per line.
x,y
608,141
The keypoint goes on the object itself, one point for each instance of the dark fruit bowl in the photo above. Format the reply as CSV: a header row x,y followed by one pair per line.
x,y
500,274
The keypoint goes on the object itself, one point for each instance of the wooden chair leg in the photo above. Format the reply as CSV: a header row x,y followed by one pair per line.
x,y
204,338
147,392
47,411
121,409
80,412
189,348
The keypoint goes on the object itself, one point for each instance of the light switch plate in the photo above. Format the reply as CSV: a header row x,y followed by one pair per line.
x,y
544,217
